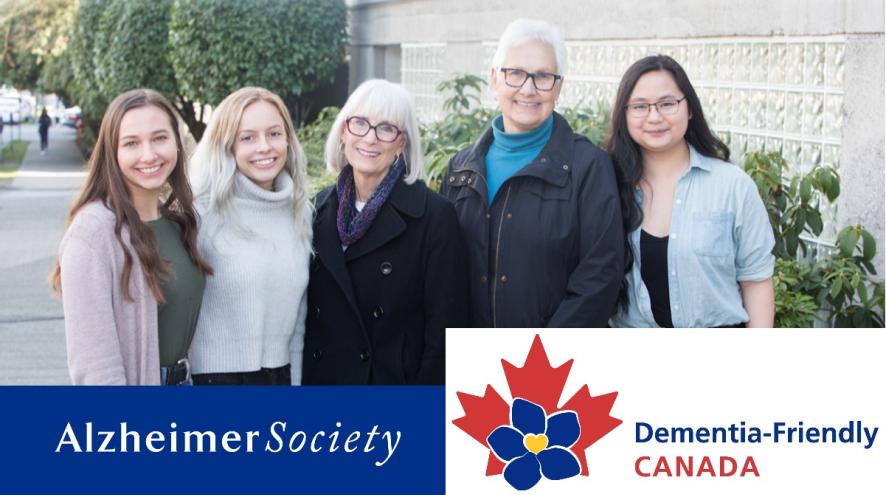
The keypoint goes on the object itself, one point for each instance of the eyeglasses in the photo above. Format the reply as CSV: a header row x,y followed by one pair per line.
x,y
386,133
667,106
543,81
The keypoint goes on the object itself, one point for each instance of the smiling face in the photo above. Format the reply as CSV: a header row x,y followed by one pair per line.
x,y
525,108
146,151
260,146
368,156
655,132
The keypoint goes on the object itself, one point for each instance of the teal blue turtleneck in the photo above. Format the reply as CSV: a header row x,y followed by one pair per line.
x,y
511,151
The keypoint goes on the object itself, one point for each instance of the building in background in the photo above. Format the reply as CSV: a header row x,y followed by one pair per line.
x,y
805,79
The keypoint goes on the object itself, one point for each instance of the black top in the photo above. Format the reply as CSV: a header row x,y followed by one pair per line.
x,y
654,270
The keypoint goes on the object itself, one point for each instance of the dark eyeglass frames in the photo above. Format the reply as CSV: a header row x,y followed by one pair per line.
x,y
668,106
386,133
543,81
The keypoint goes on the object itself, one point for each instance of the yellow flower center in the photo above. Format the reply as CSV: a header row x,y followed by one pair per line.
x,y
535,443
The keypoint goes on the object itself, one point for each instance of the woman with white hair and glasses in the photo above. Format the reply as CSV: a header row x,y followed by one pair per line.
x,y
251,186
537,203
388,275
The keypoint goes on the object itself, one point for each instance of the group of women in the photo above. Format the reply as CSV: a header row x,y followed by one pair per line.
x,y
229,274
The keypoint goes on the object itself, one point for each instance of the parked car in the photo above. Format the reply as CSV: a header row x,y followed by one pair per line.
x,y
71,116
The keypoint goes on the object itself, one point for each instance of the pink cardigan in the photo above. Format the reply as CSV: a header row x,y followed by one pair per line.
x,y
110,341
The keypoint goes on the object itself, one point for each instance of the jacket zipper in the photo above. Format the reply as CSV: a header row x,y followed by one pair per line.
x,y
501,222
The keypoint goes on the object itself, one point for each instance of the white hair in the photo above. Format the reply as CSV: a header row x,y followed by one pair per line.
x,y
379,100
213,166
525,30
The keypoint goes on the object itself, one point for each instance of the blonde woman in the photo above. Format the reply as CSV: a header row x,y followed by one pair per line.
x,y
251,187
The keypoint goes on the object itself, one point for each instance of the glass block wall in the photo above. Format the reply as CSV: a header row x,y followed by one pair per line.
x,y
421,71
775,94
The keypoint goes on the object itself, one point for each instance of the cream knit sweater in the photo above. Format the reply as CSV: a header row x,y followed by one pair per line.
x,y
254,306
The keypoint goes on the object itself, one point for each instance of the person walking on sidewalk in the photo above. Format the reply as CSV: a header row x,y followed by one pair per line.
x,y
43,124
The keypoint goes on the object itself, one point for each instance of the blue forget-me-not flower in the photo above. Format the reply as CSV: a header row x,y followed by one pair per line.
x,y
536,445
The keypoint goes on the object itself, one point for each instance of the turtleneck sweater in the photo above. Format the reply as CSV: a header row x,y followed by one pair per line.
x,y
511,151
254,306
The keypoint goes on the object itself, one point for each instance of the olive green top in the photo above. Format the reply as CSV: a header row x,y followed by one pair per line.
x,y
177,317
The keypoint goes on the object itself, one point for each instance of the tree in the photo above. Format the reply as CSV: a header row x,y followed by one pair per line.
x,y
31,35
287,47
81,56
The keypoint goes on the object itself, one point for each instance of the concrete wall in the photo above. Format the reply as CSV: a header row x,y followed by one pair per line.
x,y
465,25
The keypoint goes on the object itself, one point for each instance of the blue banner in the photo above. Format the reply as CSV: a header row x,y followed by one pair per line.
x,y
223,439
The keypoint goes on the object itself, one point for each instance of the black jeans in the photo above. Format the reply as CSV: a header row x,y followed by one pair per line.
x,y
44,140
264,376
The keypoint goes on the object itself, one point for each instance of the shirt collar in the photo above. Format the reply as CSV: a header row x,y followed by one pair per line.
x,y
697,160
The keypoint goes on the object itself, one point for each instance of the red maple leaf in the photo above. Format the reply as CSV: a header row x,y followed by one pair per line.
x,y
594,418
539,382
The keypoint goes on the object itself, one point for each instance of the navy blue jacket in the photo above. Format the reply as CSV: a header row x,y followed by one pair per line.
x,y
549,251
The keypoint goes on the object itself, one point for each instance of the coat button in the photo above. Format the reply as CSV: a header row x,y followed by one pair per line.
x,y
483,279
378,312
504,278
386,268
317,311
463,178
364,356
451,180
509,215
543,160
318,354
565,167
488,216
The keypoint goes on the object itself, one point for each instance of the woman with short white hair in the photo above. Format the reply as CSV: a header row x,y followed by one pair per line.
x,y
538,204
387,278
251,185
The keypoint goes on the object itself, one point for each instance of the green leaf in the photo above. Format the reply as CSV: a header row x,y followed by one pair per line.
x,y
863,294
834,191
813,218
869,249
805,190
846,241
836,286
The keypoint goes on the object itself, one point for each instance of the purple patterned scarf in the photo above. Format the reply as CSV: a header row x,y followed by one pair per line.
x,y
352,224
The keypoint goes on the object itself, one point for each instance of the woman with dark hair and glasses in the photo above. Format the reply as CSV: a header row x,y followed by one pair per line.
x,y
388,276
703,254
538,203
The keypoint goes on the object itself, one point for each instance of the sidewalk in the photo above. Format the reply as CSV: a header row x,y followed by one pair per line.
x,y
33,211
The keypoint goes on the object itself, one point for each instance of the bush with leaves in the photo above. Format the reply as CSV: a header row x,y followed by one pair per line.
x,y
289,48
837,288
313,140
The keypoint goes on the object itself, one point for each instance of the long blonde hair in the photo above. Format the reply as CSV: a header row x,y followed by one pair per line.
x,y
213,165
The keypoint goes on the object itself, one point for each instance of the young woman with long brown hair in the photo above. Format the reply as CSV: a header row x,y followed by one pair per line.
x,y
129,272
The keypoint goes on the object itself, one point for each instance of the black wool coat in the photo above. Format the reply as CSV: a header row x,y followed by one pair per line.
x,y
377,311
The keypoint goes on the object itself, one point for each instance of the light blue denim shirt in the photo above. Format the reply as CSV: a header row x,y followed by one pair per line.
x,y
720,236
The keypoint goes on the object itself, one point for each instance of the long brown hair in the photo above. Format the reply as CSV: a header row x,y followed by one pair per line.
x,y
105,183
